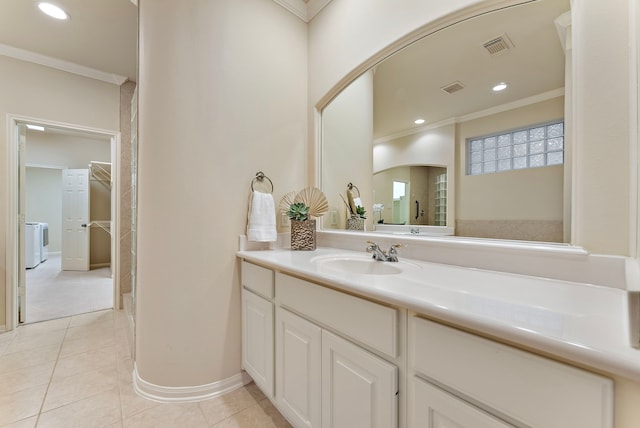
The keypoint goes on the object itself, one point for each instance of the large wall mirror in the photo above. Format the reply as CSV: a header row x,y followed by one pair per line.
x,y
433,147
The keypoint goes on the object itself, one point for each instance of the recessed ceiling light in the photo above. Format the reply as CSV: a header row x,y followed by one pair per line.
x,y
418,121
35,127
500,87
53,11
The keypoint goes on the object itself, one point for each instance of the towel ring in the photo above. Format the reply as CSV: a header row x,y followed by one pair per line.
x,y
260,177
351,186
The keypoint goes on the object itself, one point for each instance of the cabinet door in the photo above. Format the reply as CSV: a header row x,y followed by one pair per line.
x,y
257,340
298,369
431,407
359,389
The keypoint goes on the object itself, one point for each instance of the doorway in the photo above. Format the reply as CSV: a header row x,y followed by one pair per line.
x,y
41,159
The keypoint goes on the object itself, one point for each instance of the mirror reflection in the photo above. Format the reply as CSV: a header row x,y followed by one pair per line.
x,y
503,154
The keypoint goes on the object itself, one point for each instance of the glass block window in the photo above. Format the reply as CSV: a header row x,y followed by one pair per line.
x,y
540,145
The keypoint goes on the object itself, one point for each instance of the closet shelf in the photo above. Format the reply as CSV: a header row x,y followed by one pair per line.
x,y
100,172
102,224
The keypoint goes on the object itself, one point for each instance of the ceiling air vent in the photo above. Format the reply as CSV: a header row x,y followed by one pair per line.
x,y
499,44
453,87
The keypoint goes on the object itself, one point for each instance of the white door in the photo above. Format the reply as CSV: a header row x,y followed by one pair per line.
x,y
298,369
359,389
75,219
22,279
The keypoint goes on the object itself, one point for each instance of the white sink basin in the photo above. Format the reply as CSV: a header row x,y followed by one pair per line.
x,y
361,265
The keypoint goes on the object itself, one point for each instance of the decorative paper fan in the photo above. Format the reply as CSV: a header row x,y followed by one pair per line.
x,y
286,201
314,199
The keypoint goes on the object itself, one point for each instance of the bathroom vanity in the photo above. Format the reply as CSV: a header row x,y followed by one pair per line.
x,y
337,339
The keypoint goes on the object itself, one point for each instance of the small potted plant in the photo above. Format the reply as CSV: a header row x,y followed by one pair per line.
x,y
300,209
356,221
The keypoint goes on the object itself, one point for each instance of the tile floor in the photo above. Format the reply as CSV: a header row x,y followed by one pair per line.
x,y
53,293
76,372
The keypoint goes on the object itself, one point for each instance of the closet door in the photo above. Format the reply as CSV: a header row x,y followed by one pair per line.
x,y
75,219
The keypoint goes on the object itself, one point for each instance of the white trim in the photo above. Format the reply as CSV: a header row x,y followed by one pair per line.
x,y
181,394
59,64
475,115
634,128
306,11
11,242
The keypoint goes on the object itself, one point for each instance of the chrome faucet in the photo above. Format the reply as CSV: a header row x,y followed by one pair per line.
x,y
380,255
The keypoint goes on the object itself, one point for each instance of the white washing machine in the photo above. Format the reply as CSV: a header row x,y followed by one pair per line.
x,y
32,240
44,242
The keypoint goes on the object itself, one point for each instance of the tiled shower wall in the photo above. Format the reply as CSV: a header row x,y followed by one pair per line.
x,y
124,164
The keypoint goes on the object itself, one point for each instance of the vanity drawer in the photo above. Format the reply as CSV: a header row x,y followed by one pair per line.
x,y
257,279
370,323
528,388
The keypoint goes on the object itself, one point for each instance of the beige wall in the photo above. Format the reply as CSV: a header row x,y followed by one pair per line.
x,y
347,138
222,95
530,194
31,90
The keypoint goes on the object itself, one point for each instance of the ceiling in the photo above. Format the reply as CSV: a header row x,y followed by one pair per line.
x,y
101,35
408,85
99,40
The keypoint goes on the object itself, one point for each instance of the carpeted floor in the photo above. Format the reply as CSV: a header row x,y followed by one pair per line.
x,y
53,293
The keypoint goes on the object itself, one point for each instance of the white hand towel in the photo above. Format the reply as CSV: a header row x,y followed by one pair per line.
x,y
262,218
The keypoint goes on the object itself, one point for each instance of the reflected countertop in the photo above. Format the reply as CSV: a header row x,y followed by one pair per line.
x,y
583,323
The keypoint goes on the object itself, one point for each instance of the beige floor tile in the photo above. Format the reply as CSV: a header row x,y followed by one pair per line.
x,y
36,328
93,318
25,423
36,341
99,410
262,415
169,416
90,330
70,389
220,408
131,403
31,357
25,378
21,405
85,362
86,344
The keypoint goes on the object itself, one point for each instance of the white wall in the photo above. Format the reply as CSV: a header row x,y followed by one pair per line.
x,y
222,95
43,201
35,91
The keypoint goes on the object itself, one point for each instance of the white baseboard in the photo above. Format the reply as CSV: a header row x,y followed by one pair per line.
x,y
3,328
172,394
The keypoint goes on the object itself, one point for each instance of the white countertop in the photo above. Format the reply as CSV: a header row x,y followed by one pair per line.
x,y
583,323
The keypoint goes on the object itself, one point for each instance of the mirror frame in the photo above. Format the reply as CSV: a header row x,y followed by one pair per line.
x,y
425,30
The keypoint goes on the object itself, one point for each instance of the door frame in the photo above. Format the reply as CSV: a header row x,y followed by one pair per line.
x,y
13,193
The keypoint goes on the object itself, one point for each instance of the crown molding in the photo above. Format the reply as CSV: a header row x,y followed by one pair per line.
x,y
305,10
59,64
476,115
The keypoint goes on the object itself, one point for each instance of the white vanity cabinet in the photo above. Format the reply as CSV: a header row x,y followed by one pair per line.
x,y
330,359
257,325
322,379
486,378
298,369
